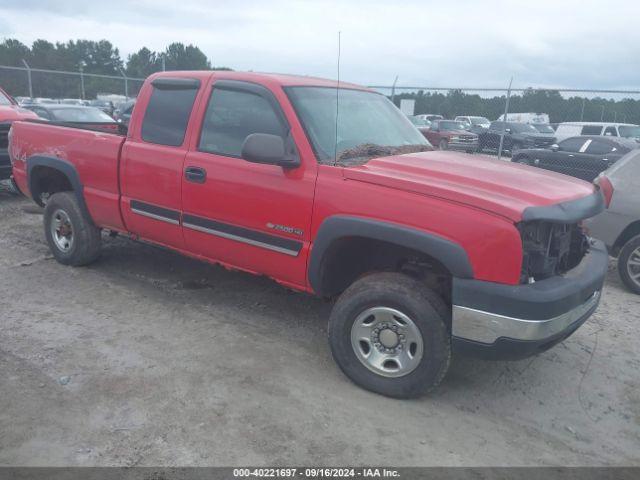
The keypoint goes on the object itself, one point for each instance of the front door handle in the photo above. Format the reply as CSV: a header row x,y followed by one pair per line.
x,y
195,174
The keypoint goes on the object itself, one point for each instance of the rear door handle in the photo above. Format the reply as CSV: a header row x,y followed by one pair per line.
x,y
195,174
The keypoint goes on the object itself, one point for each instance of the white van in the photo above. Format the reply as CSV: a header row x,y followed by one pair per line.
x,y
573,129
528,117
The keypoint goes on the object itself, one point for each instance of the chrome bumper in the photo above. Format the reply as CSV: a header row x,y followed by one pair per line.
x,y
487,327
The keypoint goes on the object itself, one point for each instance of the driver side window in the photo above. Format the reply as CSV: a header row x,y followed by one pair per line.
x,y
231,116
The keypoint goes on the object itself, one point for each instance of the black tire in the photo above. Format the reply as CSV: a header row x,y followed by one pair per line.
x,y
629,251
86,237
425,309
471,152
443,144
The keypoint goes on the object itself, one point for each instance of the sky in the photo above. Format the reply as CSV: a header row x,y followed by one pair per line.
x,y
460,43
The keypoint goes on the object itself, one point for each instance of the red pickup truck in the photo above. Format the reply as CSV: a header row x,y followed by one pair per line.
x,y
9,112
425,252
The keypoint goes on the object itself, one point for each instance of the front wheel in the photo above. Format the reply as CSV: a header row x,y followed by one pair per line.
x,y
629,264
388,333
72,237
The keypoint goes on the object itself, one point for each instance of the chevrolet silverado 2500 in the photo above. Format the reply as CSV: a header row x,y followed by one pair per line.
x,y
424,252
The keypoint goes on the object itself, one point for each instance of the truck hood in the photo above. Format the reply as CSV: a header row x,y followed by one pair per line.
x,y
493,185
10,113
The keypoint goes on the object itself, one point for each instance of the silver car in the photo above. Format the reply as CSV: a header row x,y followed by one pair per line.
x,y
619,225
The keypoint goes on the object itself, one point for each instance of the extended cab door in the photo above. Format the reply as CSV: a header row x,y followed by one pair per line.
x,y
248,215
152,159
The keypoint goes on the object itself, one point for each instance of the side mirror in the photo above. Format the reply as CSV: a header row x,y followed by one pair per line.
x,y
555,147
268,149
507,130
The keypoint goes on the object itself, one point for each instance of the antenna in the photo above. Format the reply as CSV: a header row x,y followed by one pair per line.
x,y
335,150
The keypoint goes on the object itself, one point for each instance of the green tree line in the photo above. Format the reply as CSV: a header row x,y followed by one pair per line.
x,y
560,109
92,57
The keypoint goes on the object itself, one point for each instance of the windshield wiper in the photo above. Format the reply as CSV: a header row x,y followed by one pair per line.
x,y
364,152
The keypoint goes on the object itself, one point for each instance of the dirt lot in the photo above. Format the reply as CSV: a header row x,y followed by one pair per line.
x,y
148,358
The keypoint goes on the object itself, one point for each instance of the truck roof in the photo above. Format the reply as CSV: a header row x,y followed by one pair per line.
x,y
272,79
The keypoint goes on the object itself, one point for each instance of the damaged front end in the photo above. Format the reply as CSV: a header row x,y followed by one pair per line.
x,y
550,249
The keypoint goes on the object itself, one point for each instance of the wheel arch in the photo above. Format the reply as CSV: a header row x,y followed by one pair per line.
x,y
51,175
627,234
338,247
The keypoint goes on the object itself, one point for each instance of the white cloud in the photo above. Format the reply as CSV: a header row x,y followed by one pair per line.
x,y
437,43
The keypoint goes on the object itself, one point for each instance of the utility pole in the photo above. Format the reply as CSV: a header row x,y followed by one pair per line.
x,y
126,83
506,111
602,114
164,66
82,81
26,65
584,99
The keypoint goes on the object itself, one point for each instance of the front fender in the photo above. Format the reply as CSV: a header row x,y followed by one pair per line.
x,y
334,228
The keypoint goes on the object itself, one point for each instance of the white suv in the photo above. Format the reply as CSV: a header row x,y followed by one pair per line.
x,y
574,129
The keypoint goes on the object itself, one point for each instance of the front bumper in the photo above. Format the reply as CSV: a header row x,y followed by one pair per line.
x,y
457,145
497,321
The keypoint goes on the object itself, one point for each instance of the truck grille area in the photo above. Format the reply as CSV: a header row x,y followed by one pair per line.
x,y
550,249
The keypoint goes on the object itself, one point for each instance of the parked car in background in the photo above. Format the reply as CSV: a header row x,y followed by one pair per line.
x,y
122,114
71,101
475,124
76,115
607,129
420,123
451,135
581,157
10,111
105,105
619,225
45,100
528,117
516,136
429,116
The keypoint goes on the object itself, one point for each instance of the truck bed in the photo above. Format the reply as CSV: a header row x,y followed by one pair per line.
x,y
95,156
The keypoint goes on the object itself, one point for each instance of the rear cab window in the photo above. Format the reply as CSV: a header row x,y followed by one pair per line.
x,y
168,111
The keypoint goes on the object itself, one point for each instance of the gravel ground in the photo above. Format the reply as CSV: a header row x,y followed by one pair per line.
x,y
148,358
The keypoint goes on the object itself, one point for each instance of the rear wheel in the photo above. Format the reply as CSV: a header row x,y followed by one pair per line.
x,y
629,264
388,333
443,145
72,237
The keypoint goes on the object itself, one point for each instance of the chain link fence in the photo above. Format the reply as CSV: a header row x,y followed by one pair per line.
x,y
555,113
57,84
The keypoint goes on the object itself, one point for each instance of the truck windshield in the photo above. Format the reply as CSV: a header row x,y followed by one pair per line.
x,y
367,123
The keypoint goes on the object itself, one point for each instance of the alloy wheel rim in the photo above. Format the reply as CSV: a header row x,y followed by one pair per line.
x,y
62,231
387,342
633,266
